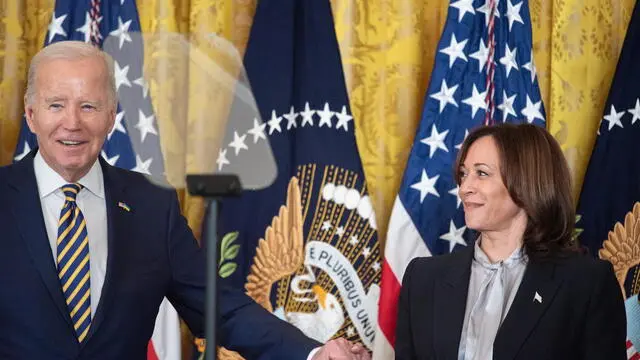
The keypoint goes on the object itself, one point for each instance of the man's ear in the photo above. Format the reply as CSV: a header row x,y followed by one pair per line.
x,y
112,117
28,114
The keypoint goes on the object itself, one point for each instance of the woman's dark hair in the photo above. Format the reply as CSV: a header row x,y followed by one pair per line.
x,y
536,175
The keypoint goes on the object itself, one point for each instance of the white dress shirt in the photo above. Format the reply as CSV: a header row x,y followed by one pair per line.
x,y
91,201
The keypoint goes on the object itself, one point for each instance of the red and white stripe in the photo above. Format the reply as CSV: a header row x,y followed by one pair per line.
x,y
403,244
165,343
632,353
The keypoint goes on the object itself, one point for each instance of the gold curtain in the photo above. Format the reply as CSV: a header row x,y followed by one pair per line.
x,y
388,49
22,33
576,48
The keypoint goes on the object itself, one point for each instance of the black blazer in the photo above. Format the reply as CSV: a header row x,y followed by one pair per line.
x,y
581,316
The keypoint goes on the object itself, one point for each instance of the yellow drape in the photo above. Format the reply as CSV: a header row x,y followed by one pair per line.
x,y
576,46
22,33
388,49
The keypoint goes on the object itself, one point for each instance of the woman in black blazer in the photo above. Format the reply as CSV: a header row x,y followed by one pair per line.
x,y
523,291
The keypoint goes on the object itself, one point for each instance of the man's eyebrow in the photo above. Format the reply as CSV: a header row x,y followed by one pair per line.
x,y
54,98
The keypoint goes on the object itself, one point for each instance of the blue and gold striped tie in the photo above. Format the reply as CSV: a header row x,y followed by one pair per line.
x,y
73,261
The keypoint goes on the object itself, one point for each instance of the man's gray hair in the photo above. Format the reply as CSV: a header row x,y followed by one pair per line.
x,y
70,50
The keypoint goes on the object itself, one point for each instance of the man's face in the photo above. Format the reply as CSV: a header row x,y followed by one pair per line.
x,y
71,114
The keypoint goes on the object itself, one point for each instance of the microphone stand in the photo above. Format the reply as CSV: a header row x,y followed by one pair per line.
x,y
212,188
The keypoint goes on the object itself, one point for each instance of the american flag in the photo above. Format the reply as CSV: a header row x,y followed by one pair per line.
x,y
95,21
610,195
483,73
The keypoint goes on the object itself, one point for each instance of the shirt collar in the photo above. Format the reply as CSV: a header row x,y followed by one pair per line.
x,y
479,256
49,181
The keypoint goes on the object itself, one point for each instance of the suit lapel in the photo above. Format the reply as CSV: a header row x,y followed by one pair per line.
x,y
450,299
27,210
536,292
119,221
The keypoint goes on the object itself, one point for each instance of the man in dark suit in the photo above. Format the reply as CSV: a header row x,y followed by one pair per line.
x,y
88,251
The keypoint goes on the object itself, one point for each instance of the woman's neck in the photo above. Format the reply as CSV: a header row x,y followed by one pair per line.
x,y
499,247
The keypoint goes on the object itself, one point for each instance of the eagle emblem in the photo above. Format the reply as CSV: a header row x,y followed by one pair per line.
x,y
622,249
324,281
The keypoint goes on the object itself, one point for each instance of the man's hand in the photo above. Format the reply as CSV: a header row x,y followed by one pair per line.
x,y
342,349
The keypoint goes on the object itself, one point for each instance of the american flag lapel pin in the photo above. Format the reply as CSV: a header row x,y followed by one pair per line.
x,y
537,298
124,206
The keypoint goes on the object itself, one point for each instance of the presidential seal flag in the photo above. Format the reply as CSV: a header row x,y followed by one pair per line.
x,y
483,73
609,206
113,24
305,247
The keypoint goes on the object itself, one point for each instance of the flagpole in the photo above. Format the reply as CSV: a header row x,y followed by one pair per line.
x,y
212,188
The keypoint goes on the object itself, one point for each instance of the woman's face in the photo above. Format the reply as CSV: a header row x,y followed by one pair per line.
x,y
488,207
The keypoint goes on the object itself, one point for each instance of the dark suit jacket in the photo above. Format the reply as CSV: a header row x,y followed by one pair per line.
x,y
151,254
581,316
